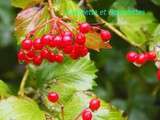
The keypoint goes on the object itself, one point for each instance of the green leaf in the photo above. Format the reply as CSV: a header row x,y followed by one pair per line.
x,y
80,101
141,30
76,73
126,4
4,89
29,19
157,2
25,3
70,9
15,108
155,41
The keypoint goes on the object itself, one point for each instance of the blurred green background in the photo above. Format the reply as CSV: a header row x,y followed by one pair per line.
x,y
134,90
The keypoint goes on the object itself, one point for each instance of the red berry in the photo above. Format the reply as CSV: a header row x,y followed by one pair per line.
x,y
83,51
74,53
59,58
51,57
141,59
80,39
86,114
94,104
37,60
58,41
67,40
68,49
26,44
44,53
30,54
46,39
151,56
67,33
131,56
105,35
158,74
27,60
37,44
53,97
51,42
85,28
21,56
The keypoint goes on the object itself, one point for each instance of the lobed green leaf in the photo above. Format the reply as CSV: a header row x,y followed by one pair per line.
x,y
15,108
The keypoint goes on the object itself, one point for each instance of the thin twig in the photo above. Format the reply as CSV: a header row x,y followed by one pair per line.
x,y
81,2
51,8
78,116
22,85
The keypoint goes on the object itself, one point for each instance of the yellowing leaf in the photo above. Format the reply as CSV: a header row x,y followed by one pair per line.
x,y
95,42
28,19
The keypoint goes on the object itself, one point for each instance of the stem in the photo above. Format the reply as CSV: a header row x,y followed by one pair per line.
x,y
156,89
62,110
77,118
21,90
107,24
81,2
51,8
39,27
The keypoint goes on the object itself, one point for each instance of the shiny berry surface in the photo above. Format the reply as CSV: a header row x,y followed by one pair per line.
x,y
37,60
59,58
87,114
131,56
26,44
46,39
37,44
151,56
105,35
84,27
67,33
94,104
67,40
53,97
21,56
141,59
80,39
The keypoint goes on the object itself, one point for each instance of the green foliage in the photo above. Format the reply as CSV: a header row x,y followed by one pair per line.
x,y
20,109
25,3
129,88
157,2
126,4
141,31
70,9
78,74
6,19
4,89
80,101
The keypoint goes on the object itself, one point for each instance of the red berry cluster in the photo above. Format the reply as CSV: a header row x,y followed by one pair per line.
x,y
142,58
53,47
94,105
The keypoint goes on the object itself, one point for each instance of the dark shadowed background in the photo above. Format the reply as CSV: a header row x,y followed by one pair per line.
x,y
132,89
